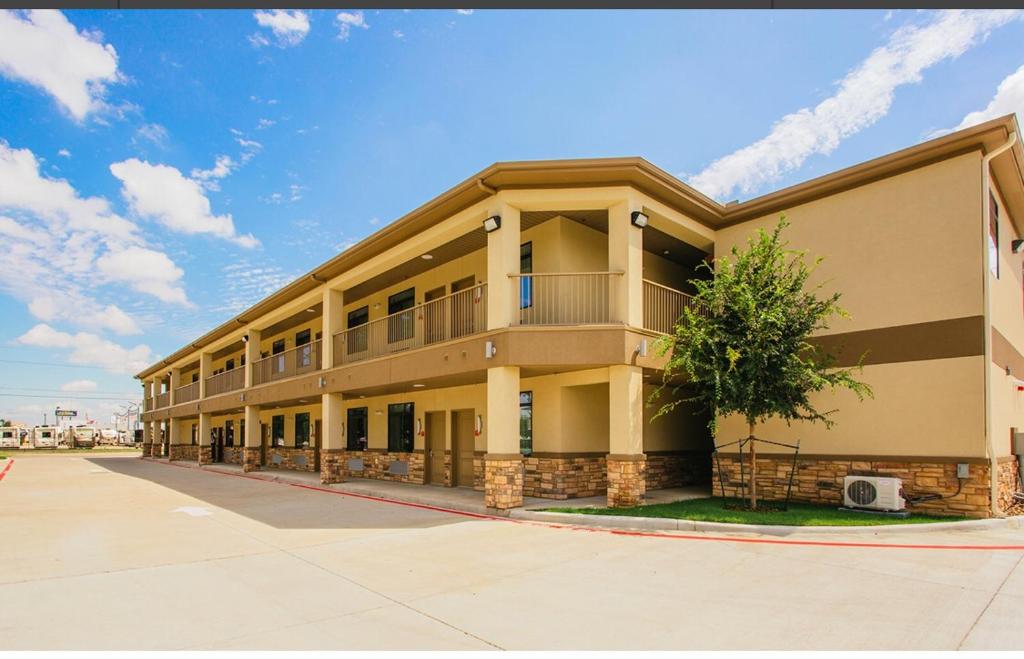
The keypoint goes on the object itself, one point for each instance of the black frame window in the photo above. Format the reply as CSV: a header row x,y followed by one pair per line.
x,y
302,430
401,433
305,354
526,283
356,341
241,432
277,430
229,365
195,434
357,428
401,321
229,433
526,422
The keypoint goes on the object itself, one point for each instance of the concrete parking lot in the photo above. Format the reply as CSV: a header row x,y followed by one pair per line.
x,y
114,552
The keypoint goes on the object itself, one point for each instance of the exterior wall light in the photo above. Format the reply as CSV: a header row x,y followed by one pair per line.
x,y
245,338
1015,245
638,219
493,223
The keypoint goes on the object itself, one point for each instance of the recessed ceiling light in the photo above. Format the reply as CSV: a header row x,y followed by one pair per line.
x,y
310,310
418,385
362,395
426,257
665,252
303,400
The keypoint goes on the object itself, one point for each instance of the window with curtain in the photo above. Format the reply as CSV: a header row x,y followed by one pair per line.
x,y
302,430
356,341
229,433
277,431
356,427
400,427
305,352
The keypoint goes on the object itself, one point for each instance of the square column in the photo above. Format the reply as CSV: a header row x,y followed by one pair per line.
x,y
626,255
502,261
252,355
176,447
205,450
147,436
627,464
503,463
251,452
332,447
205,371
333,323
174,383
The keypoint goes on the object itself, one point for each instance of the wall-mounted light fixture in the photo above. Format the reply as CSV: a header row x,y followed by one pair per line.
x,y
642,348
489,350
638,219
479,425
493,223
245,338
322,381
419,426
1016,245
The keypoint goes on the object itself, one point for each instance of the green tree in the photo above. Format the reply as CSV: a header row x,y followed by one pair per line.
x,y
744,347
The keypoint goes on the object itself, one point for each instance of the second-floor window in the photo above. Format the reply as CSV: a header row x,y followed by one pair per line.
x,y
278,363
305,351
229,365
526,283
356,341
401,323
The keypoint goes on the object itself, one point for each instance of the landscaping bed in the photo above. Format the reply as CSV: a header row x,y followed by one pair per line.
x,y
711,509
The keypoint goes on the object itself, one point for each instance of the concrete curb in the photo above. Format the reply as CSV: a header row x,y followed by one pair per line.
x,y
662,524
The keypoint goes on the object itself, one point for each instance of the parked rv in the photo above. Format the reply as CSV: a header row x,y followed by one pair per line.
x,y
108,436
10,437
44,437
83,437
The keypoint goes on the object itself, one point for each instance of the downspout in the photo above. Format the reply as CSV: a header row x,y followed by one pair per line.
x,y
990,447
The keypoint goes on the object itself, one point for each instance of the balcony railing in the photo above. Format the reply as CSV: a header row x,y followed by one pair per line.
x,y
186,394
663,306
147,404
225,382
460,314
163,400
297,361
565,298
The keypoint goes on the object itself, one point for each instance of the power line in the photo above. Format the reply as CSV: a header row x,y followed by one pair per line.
x,y
64,392
19,361
119,399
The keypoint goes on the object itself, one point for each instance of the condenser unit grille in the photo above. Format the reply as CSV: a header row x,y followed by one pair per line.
x,y
861,492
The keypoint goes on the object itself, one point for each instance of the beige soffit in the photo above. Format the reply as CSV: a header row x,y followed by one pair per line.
x,y
638,173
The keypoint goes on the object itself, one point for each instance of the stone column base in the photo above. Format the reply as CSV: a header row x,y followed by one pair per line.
x,y
503,481
147,450
251,458
155,450
332,465
176,452
205,455
627,480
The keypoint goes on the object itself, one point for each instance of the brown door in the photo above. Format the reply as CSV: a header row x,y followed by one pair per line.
x,y
435,448
433,316
462,446
316,446
264,437
462,307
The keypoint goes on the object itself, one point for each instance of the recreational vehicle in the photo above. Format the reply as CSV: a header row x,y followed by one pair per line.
x,y
10,437
83,437
44,437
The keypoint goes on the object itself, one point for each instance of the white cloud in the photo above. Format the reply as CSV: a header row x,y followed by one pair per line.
x,y
245,284
207,178
79,386
154,133
89,349
347,21
145,270
72,307
1009,98
398,34
42,48
64,153
464,12
864,96
289,27
162,193
265,123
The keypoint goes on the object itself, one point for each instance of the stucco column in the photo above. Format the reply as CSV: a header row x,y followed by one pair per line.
x,y
205,371
174,444
252,355
627,464
502,261
333,323
332,447
251,452
205,452
147,438
503,463
175,382
626,255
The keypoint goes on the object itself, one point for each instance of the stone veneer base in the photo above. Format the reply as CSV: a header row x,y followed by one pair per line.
x,y
627,480
250,458
332,466
291,458
821,481
184,452
503,482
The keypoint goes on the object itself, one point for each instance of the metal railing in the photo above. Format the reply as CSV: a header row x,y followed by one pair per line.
x,y
225,382
663,307
565,298
297,361
163,400
186,394
450,317
147,404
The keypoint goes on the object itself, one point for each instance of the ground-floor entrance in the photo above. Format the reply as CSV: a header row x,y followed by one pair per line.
x,y
434,447
463,447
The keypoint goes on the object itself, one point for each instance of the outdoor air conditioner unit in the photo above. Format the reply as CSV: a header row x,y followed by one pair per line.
x,y
874,493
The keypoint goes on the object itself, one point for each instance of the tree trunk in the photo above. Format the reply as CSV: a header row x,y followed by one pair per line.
x,y
753,469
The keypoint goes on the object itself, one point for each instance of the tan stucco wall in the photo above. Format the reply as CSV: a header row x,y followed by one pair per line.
x,y
679,430
900,250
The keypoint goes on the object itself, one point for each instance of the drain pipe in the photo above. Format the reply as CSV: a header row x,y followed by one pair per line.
x,y
990,447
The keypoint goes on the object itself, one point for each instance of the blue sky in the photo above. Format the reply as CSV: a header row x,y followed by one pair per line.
x,y
160,171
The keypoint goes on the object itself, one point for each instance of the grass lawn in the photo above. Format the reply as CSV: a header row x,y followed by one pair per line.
x,y
70,451
799,514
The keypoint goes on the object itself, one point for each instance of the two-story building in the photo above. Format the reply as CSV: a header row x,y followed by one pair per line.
x,y
501,336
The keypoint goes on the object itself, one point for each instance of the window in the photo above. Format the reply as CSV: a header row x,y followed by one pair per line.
x,y
526,283
229,433
355,429
400,430
401,326
277,365
305,356
229,365
993,235
195,433
195,377
302,338
357,340
277,431
526,422
241,432
278,347
302,430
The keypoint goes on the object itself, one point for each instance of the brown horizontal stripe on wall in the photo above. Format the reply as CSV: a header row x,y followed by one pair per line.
x,y
1005,355
942,459
577,454
939,339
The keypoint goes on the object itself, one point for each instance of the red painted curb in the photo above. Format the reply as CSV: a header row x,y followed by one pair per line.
x,y
10,463
641,534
